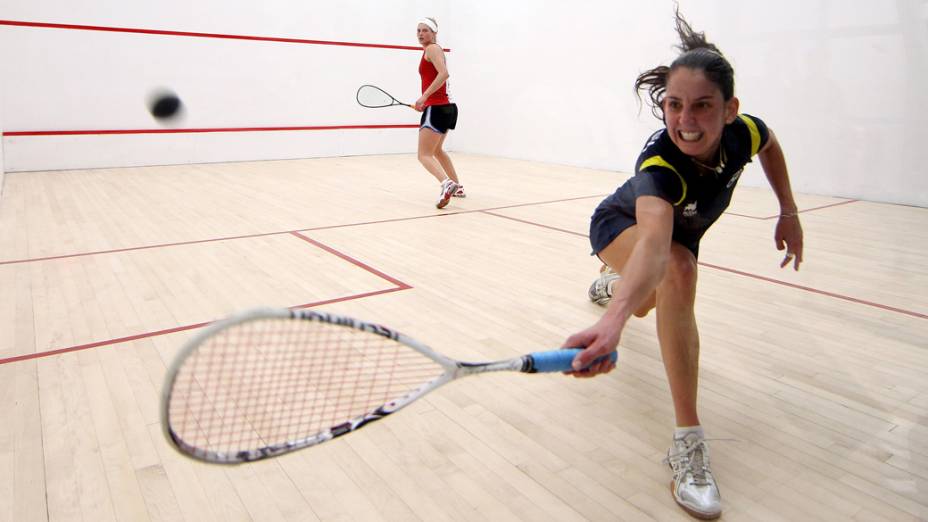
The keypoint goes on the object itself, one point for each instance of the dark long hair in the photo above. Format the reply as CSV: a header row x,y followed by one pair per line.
x,y
698,54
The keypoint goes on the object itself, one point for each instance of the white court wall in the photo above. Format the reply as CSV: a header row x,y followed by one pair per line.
x,y
841,82
65,79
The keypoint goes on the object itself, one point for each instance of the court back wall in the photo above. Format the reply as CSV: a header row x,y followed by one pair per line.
x,y
840,82
73,79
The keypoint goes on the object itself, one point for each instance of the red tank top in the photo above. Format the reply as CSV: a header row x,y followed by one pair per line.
x,y
428,72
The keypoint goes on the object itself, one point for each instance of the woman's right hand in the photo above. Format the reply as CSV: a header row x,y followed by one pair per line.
x,y
599,340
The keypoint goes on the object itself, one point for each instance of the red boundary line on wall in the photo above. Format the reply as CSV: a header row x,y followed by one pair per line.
x,y
364,266
45,25
201,130
160,32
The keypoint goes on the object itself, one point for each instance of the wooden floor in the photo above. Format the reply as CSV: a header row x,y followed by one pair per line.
x,y
816,381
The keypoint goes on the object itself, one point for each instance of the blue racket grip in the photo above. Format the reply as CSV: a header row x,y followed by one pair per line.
x,y
559,360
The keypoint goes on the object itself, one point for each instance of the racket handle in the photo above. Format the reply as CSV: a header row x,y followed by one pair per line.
x,y
558,360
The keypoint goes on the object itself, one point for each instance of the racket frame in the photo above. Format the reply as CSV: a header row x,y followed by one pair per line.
x,y
453,369
395,103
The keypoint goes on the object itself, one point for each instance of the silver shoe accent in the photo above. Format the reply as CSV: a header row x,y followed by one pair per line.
x,y
599,291
693,486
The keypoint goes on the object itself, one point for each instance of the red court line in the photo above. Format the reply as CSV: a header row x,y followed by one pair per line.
x,y
775,216
324,227
129,249
166,331
402,285
346,225
824,206
817,291
753,276
535,224
203,130
399,286
161,32
397,282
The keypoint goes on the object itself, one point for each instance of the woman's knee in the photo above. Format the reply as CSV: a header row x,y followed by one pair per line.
x,y
426,154
681,268
648,305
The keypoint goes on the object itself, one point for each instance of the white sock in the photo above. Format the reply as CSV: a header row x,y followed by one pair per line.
x,y
680,432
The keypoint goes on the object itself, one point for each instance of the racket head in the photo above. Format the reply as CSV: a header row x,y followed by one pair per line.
x,y
374,97
265,382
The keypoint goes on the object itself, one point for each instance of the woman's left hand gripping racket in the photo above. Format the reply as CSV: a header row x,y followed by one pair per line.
x,y
375,98
270,381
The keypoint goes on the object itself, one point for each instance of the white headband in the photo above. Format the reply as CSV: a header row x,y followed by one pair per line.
x,y
432,25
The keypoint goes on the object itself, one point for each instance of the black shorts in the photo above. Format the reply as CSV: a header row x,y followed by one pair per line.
x,y
611,218
605,225
439,118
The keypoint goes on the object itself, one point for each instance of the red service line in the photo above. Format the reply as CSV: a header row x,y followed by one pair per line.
x,y
399,286
160,32
353,261
201,130
167,331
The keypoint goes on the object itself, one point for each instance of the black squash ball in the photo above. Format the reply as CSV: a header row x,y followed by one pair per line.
x,y
165,105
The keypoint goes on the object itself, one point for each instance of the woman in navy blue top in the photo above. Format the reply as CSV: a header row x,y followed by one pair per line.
x,y
647,233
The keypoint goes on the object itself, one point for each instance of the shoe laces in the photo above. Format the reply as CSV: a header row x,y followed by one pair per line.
x,y
447,188
601,285
692,459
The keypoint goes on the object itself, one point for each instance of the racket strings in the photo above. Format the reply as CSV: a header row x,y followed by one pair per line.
x,y
263,383
370,96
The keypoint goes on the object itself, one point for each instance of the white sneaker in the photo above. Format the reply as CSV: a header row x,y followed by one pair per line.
x,y
693,486
459,193
599,291
447,190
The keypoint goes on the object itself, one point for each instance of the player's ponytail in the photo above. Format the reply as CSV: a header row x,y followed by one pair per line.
x,y
698,54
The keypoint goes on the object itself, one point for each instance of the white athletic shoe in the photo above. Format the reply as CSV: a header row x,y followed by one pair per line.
x,y
447,190
599,291
459,193
693,486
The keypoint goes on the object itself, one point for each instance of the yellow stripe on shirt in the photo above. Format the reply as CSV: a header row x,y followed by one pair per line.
x,y
755,134
660,162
